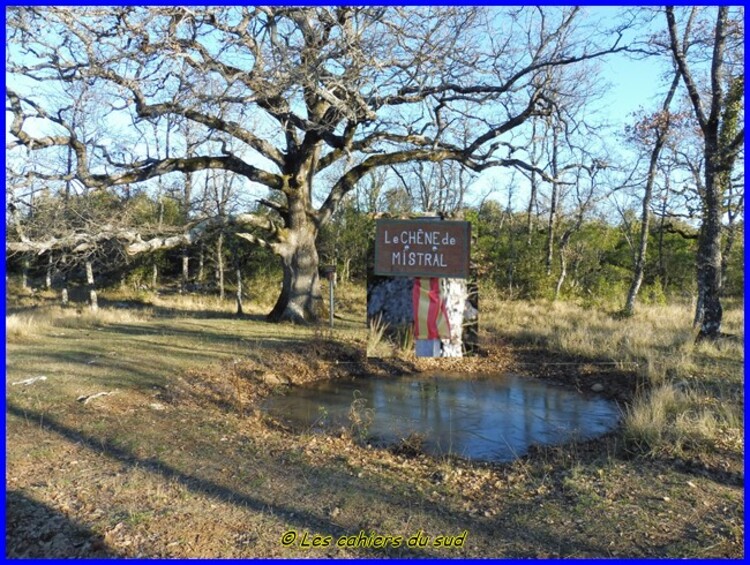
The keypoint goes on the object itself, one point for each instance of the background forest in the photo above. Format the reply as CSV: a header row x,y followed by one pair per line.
x,y
252,160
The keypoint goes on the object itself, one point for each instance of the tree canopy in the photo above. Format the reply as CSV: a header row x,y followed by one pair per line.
x,y
275,115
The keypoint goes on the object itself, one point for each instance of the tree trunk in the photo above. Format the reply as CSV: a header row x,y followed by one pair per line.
x,y
699,302
185,269
530,210
534,185
154,275
733,212
709,256
563,274
731,235
201,254
220,265
300,300
552,205
511,244
564,241
720,147
640,261
93,302
25,274
238,274
662,267
48,274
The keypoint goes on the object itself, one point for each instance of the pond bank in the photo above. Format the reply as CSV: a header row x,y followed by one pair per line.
x,y
495,417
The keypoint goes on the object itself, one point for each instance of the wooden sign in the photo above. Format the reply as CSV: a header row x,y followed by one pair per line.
x,y
422,248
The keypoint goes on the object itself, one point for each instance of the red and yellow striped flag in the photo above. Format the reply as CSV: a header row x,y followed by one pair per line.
x,y
430,315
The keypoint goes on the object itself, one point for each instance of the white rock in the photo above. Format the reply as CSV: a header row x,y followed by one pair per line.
x,y
30,381
88,398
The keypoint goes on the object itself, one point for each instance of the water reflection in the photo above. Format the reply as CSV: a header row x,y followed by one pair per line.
x,y
492,419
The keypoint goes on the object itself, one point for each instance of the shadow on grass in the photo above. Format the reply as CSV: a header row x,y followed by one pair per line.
x,y
34,530
516,530
206,334
292,515
31,304
507,534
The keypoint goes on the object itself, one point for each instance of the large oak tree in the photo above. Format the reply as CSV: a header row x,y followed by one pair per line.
x,y
282,96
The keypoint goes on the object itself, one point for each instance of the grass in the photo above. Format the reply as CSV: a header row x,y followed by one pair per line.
x,y
20,327
360,417
181,462
690,395
658,340
651,421
377,344
678,421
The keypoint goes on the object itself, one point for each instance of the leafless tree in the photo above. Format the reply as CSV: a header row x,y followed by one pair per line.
x,y
369,191
534,157
655,129
435,188
367,86
586,192
717,107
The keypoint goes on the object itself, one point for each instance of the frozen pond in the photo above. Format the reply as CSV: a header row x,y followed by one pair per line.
x,y
488,418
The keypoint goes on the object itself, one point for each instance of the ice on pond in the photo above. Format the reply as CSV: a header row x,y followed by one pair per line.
x,y
494,418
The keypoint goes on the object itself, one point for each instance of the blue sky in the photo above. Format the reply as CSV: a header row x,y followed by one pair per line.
x,y
633,84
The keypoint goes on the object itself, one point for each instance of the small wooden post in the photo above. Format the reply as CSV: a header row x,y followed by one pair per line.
x,y
48,276
25,274
239,291
93,302
330,273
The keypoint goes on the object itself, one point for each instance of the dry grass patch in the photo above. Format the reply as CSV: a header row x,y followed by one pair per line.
x,y
191,303
692,397
377,343
649,421
21,326
659,340
102,317
673,420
